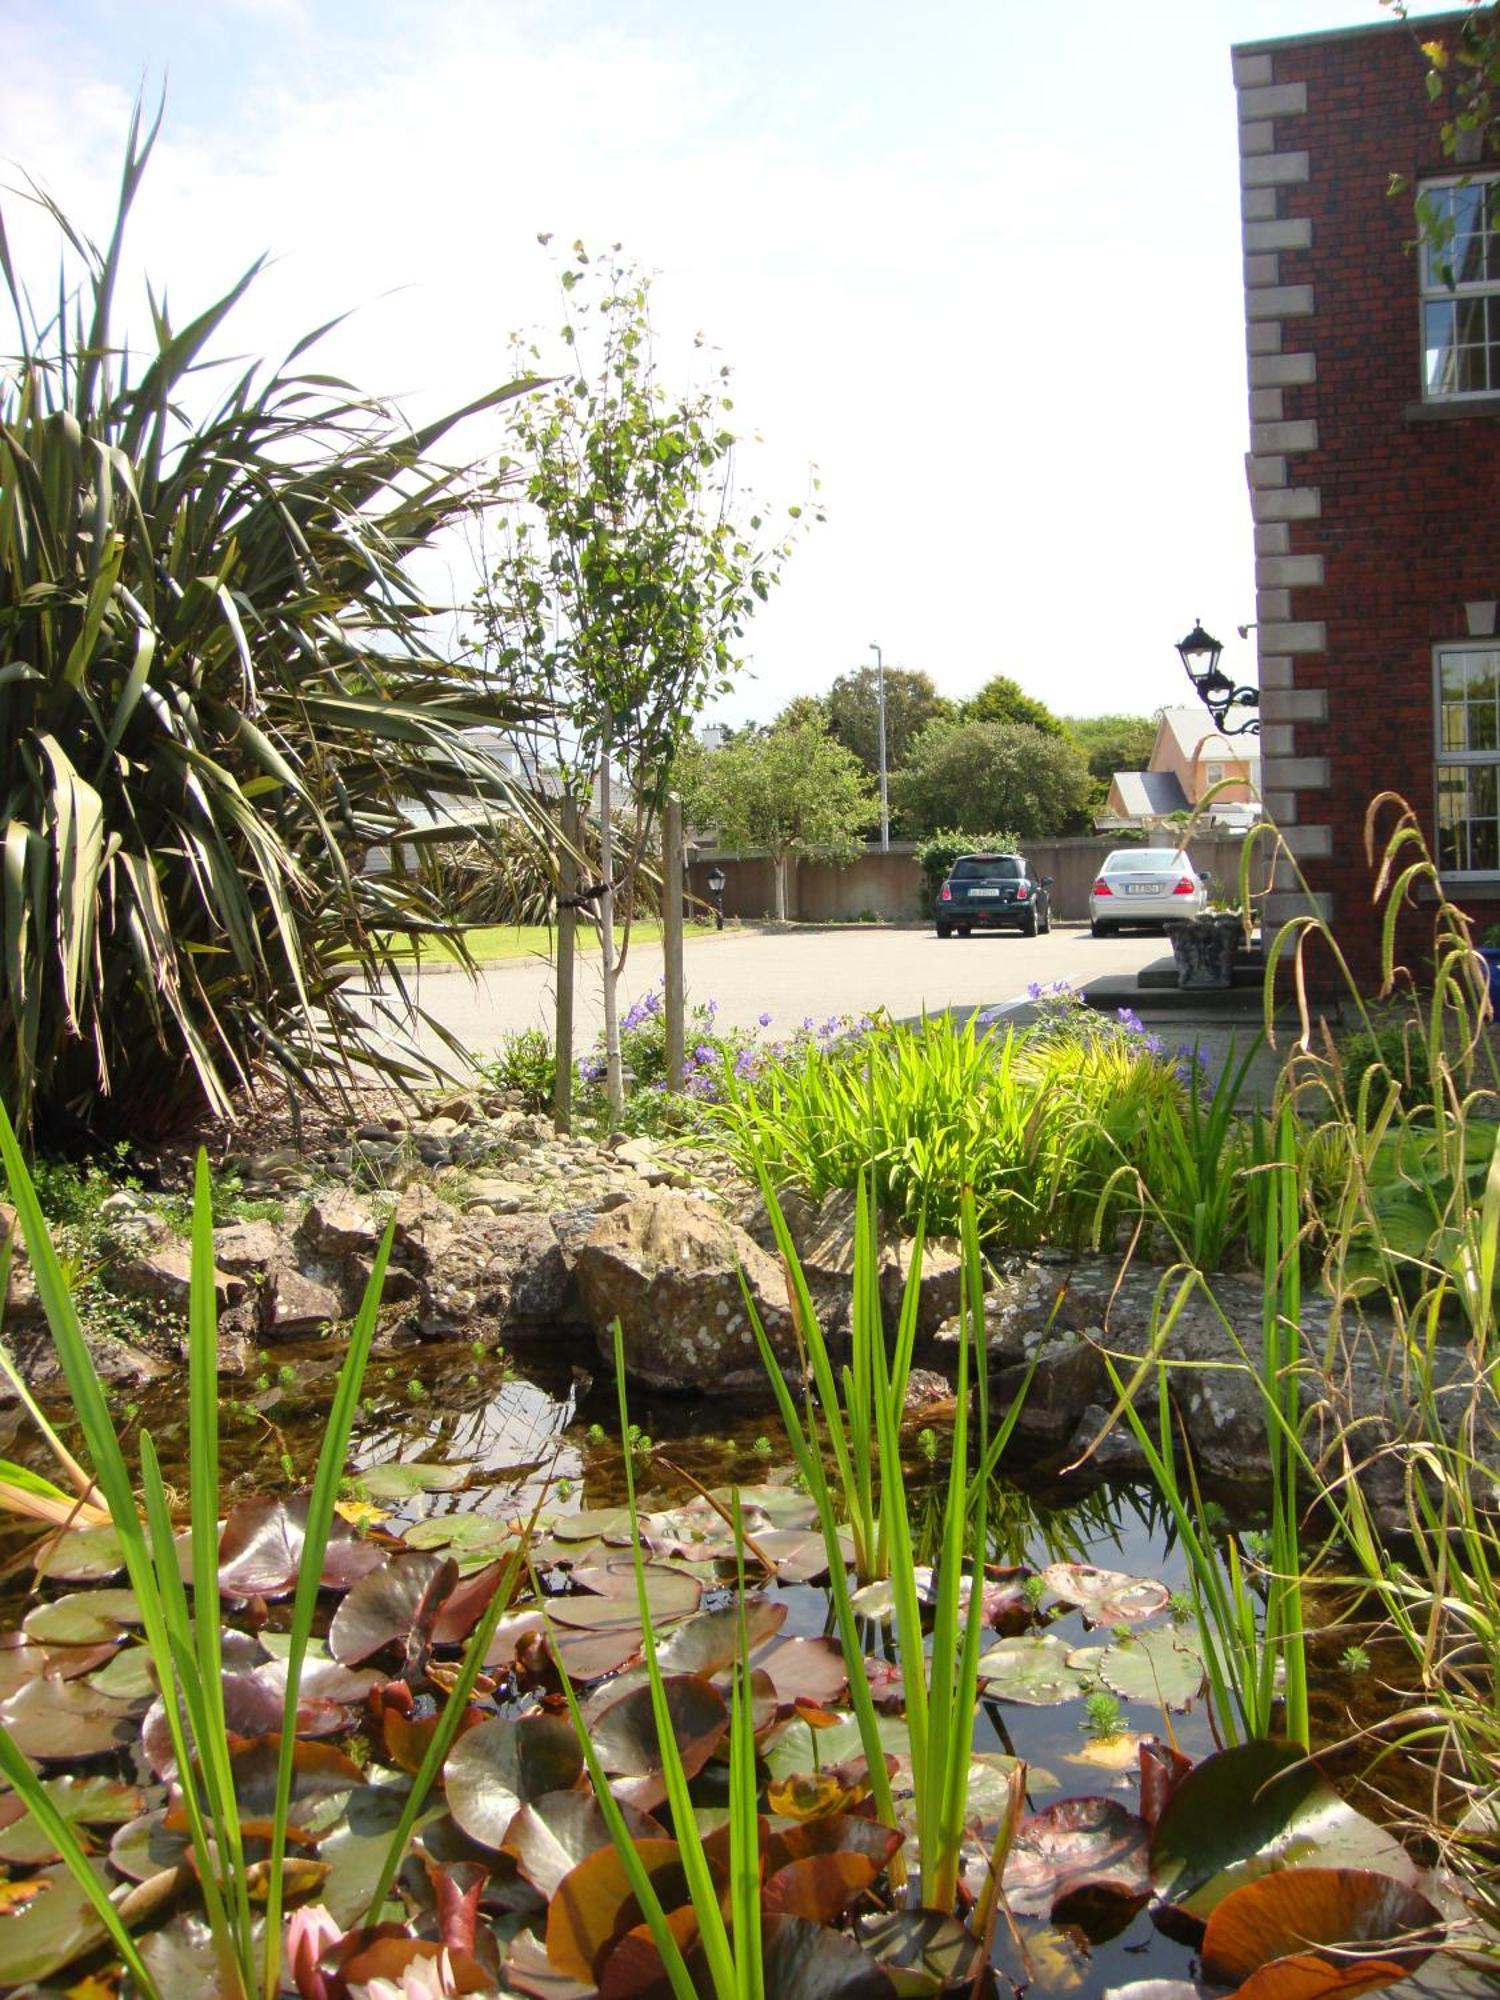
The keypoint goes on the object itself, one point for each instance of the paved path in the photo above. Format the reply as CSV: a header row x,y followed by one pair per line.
x,y
789,975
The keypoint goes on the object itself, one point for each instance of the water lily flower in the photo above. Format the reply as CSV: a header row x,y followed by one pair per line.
x,y
310,1932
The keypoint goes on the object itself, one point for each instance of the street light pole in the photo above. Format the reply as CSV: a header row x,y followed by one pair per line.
x,y
885,810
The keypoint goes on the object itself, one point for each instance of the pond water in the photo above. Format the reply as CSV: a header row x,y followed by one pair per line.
x,y
547,1418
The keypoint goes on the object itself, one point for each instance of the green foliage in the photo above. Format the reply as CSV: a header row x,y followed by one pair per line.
x,y
791,792
853,706
936,854
1389,1053
220,690
1002,699
974,775
1034,1122
1112,743
525,1062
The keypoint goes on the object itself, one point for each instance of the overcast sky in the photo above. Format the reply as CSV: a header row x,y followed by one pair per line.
x,y
977,262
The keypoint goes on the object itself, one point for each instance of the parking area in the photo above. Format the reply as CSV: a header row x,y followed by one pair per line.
x,y
790,975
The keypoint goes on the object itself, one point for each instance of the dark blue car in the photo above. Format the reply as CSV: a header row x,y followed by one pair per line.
x,y
993,891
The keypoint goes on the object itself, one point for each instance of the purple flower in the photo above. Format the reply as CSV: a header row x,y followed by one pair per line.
x,y
745,1063
864,1025
1034,990
705,1054
807,1024
1130,1021
765,1020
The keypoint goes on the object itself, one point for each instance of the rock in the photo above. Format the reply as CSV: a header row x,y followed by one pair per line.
x,y
461,1109
668,1267
162,1274
337,1226
249,1249
525,1270
294,1305
825,1249
425,1226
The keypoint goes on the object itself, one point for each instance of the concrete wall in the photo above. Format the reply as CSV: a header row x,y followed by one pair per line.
x,y
891,884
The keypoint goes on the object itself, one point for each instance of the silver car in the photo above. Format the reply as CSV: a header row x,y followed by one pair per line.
x,y
1145,885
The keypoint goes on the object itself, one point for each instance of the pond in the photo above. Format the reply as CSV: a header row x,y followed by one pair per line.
x,y
545,1423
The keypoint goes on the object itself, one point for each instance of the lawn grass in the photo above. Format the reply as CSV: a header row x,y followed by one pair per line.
x,y
497,944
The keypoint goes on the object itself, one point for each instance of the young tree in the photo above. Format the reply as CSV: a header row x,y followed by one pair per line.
x,y
793,791
975,775
911,702
622,589
1003,700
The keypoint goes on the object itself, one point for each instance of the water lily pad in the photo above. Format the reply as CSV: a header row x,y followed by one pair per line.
x,y
1305,1932
625,1736
322,1779
816,1870
403,1479
594,1905
127,1676
710,1640
1253,1808
396,1603
145,1846
462,1535
493,1770
548,1836
260,1549
805,1670
82,1618
1077,1846
1033,1669
355,1850
83,1802
83,1555
55,1925
20,1663
922,1951
608,1524
669,1591
1161,1667
1106,1596
51,1718
800,1554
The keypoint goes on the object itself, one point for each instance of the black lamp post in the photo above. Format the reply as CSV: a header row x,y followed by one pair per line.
x,y
1199,653
716,890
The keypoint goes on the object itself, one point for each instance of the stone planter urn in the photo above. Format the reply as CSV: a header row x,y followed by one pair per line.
x,y
1205,948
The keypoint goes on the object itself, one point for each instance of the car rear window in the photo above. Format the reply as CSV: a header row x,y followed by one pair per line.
x,y
1009,867
1144,861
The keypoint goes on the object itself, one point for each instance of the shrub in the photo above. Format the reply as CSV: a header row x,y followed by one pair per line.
x,y
220,694
1395,1048
525,1062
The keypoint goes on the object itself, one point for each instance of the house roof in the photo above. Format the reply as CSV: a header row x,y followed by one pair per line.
x,y
1149,794
1192,730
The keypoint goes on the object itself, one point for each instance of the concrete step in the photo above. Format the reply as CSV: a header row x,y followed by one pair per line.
x,y
1249,970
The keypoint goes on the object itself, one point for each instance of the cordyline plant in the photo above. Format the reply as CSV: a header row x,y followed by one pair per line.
x,y
219,692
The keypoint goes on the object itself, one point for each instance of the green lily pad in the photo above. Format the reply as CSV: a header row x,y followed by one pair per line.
x,y
1160,1666
1106,1596
404,1479
461,1535
492,1771
83,1555
607,1524
52,1718
127,1677
82,1618
1257,1807
1032,1669
922,1951
356,1849
81,1801
55,1925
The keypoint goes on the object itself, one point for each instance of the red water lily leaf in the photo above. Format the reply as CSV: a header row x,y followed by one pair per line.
x,y
550,1835
710,1640
816,1871
260,1549
1309,1931
625,1736
805,1670
799,1961
396,1604
1078,1846
462,1607
1106,1596
1162,1770
593,1906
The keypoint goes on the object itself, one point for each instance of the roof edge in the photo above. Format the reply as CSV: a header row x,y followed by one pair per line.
x,y
1315,35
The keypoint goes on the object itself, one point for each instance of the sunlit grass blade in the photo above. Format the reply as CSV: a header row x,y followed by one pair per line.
x,y
744,1815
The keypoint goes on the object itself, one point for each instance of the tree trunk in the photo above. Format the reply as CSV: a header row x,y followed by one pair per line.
x,y
614,1069
567,925
671,938
781,861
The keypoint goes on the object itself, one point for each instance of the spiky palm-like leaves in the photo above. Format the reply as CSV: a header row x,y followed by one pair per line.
x,y
218,684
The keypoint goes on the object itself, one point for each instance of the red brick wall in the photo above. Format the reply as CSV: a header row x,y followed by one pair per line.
x,y
1410,506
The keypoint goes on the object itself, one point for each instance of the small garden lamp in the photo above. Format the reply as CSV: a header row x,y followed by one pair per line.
x,y
716,890
1199,653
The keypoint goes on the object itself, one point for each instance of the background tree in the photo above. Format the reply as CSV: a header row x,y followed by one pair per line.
x,y
911,702
624,585
1112,743
1003,700
793,791
219,694
804,708
976,775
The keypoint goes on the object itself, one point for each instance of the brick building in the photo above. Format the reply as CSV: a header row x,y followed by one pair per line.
x,y
1374,466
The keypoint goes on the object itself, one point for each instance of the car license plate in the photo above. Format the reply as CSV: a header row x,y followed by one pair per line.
x,y
1142,889
975,894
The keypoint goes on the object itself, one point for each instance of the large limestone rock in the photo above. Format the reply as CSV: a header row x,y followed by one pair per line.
x,y
667,1265
824,1239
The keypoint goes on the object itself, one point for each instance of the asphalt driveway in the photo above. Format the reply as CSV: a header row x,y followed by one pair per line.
x,y
790,975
